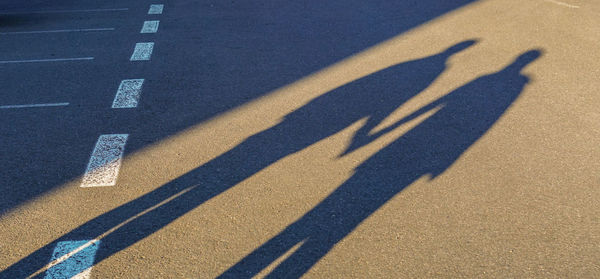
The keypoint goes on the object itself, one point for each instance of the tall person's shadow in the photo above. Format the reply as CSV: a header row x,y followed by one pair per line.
x,y
429,149
373,97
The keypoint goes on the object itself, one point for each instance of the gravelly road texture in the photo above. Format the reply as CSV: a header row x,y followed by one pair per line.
x,y
324,139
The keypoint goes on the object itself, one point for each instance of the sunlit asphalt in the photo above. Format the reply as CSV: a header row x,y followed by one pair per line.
x,y
326,139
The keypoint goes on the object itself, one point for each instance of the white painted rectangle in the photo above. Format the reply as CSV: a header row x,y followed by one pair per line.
x,y
72,259
142,52
150,26
128,93
156,9
103,168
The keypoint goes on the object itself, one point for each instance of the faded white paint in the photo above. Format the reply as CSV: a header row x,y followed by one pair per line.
x,y
34,105
142,51
105,162
72,259
46,60
150,26
563,4
57,31
65,11
128,93
156,9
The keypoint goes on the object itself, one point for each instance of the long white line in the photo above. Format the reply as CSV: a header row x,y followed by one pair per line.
x,y
563,4
46,60
150,26
105,162
57,31
72,259
128,93
64,11
156,9
34,105
142,51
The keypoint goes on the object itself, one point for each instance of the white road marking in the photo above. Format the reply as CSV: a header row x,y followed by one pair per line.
x,y
103,168
57,31
150,26
72,259
156,9
34,106
97,240
563,4
65,11
46,60
128,93
142,51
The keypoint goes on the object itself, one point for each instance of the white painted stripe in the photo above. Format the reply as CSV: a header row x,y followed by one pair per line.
x,y
103,168
563,4
113,229
142,51
128,93
156,9
57,31
34,106
72,259
64,11
150,26
46,60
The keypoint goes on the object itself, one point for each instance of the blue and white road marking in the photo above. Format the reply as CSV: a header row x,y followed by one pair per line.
x,y
34,106
46,60
57,31
142,52
72,259
65,11
105,162
155,9
128,93
150,26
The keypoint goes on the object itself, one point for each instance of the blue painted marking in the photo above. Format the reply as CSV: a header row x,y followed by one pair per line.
x,y
79,263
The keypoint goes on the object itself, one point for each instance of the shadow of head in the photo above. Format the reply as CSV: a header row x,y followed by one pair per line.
x,y
459,47
524,59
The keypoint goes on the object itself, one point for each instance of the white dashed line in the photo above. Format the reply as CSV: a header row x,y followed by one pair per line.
x,y
34,106
72,259
156,9
57,31
103,168
150,26
64,11
142,52
46,60
128,93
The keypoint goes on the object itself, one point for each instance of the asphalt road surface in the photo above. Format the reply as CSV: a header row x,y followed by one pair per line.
x,y
285,139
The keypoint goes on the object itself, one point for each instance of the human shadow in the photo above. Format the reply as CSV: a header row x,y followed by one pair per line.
x,y
373,97
433,146
211,57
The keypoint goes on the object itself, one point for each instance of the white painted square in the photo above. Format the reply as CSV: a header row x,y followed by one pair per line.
x,y
128,93
156,9
142,52
150,26
103,168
